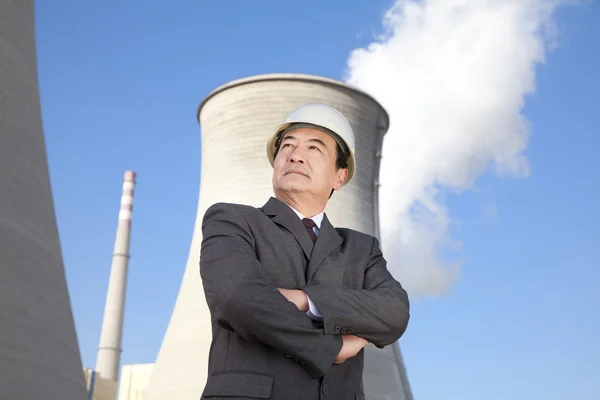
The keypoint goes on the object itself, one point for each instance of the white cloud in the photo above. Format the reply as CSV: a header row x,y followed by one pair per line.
x,y
453,75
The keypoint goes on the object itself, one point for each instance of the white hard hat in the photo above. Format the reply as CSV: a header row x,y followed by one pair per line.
x,y
319,116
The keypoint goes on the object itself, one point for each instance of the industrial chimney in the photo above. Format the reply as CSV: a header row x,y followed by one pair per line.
x,y
39,354
109,351
236,120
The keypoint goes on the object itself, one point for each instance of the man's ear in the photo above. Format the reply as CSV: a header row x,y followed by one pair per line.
x,y
342,175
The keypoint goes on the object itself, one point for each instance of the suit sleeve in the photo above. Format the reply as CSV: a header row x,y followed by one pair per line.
x,y
242,298
378,313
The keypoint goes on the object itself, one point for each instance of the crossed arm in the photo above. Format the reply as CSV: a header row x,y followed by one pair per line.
x,y
378,313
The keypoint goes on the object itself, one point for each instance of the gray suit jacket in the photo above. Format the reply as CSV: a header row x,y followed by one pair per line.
x,y
263,347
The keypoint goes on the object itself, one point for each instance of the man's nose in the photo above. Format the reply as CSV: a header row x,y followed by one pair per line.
x,y
296,157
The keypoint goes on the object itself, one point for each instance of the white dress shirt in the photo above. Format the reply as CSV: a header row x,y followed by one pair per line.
x,y
313,311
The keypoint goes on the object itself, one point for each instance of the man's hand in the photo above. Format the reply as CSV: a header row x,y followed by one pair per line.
x,y
352,345
298,297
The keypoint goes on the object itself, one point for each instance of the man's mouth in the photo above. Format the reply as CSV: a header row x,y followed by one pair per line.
x,y
296,172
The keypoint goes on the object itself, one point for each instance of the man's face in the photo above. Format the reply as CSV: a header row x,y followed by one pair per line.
x,y
306,163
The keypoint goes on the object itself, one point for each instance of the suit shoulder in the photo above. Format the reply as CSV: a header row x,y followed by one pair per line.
x,y
224,206
233,208
352,234
360,241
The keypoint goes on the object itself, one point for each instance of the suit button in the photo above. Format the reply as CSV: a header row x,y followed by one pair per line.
x,y
344,330
338,329
351,330
325,389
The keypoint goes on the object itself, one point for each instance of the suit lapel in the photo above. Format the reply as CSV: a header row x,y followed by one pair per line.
x,y
327,241
283,215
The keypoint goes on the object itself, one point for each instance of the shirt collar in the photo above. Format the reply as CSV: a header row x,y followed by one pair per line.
x,y
317,218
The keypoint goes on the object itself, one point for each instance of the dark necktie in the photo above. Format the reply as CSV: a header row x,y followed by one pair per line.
x,y
310,224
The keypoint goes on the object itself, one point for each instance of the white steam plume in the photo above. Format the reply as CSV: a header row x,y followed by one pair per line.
x,y
453,75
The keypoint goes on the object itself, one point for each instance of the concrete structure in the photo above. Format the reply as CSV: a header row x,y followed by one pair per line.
x,y
99,388
108,361
236,120
39,353
133,382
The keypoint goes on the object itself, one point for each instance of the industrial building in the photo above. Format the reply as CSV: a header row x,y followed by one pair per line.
x,y
235,120
39,353
132,382
98,387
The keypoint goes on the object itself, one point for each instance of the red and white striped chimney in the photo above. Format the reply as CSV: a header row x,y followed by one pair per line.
x,y
109,350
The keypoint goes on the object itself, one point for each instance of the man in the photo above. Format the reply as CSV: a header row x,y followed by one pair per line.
x,y
293,300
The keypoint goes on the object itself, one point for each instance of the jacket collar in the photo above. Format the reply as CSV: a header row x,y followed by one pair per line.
x,y
283,215
318,219
327,240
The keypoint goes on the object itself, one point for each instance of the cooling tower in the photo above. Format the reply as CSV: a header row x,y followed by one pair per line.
x,y
108,361
39,353
236,120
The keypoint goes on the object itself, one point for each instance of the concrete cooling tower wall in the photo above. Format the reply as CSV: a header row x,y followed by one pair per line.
x,y
236,120
39,354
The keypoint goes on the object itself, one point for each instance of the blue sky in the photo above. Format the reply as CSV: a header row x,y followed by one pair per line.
x,y
120,83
